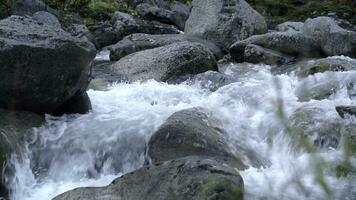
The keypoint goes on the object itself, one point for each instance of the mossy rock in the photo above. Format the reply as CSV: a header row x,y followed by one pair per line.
x,y
220,188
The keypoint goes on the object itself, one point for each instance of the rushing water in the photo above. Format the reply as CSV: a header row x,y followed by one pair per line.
x,y
93,149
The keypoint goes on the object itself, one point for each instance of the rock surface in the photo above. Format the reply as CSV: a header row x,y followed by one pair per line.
x,y
191,132
13,127
186,178
29,7
167,62
122,24
256,54
224,21
42,65
332,39
290,26
343,111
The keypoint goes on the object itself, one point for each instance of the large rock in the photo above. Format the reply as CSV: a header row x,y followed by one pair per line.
x,y
167,62
333,39
29,7
176,15
81,31
14,126
42,66
326,64
290,26
191,132
46,18
224,21
139,41
256,54
122,24
187,178
292,43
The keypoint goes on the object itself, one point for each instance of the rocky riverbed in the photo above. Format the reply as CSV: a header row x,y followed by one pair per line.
x,y
178,101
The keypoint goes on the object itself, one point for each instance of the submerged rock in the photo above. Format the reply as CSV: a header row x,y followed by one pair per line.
x,y
188,133
321,125
224,21
14,126
167,62
186,178
42,65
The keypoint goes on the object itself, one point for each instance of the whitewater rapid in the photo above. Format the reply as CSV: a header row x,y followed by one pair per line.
x,y
93,149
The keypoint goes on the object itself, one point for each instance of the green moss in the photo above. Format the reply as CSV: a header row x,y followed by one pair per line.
x,y
218,187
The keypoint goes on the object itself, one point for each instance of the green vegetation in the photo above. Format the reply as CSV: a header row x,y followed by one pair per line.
x,y
290,10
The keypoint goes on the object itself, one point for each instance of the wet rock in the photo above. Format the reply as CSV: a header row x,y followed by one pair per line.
x,y
122,24
186,178
320,124
103,77
346,110
29,7
326,64
292,43
290,26
322,86
42,66
332,39
256,54
224,21
14,126
191,132
167,62
212,80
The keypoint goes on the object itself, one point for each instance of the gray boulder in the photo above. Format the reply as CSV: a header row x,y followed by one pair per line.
x,y
292,43
290,26
42,66
191,132
332,39
257,54
30,7
167,62
139,41
46,18
81,31
211,80
14,126
224,21
122,24
326,64
177,14
186,178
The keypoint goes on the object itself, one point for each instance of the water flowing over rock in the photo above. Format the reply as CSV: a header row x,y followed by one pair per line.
x,y
167,62
224,21
42,65
181,179
14,126
191,132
